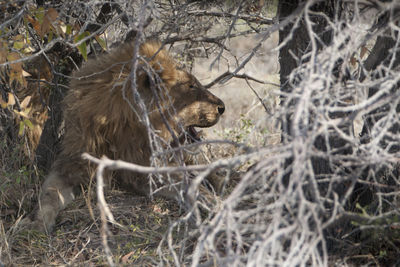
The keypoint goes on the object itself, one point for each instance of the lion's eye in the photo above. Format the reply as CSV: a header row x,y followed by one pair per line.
x,y
191,86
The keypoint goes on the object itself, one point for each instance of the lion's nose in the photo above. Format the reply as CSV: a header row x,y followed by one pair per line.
x,y
221,108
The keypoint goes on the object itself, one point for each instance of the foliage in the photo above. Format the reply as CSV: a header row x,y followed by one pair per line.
x,y
326,194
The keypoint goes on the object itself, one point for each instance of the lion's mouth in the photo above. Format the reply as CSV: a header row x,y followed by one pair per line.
x,y
189,135
192,134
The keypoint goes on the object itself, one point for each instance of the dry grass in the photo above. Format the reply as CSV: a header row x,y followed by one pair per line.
x,y
76,240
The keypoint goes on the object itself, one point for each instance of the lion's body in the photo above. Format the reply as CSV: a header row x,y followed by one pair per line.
x,y
104,116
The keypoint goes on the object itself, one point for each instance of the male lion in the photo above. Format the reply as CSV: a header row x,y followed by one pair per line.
x,y
105,114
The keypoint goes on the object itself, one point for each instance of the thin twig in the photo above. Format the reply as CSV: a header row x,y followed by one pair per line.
x,y
226,74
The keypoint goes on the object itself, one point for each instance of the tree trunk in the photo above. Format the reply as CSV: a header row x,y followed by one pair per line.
x,y
298,45
50,140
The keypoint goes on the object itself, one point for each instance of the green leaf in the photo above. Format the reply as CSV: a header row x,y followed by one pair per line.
x,y
18,45
101,42
21,128
39,14
27,37
82,47
69,29
28,123
50,36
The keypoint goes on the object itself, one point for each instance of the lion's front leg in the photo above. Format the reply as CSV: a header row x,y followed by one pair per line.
x,y
56,194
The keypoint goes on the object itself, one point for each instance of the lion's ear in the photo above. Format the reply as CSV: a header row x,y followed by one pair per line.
x,y
143,79
160,61
146,81
169,75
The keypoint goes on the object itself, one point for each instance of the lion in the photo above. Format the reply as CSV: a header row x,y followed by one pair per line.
x,y
109,110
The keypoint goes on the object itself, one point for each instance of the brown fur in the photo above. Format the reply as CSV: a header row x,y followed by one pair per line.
x,y
100,119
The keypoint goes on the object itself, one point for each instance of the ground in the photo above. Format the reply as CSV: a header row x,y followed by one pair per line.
x,y
77,239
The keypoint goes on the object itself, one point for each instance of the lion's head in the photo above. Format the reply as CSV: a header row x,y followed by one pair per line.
x,y
195,106
190,104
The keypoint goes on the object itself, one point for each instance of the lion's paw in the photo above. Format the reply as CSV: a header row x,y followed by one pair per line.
x,y
27,224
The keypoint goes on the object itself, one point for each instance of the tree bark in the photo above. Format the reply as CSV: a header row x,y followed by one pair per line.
x,y
298,45
50,140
